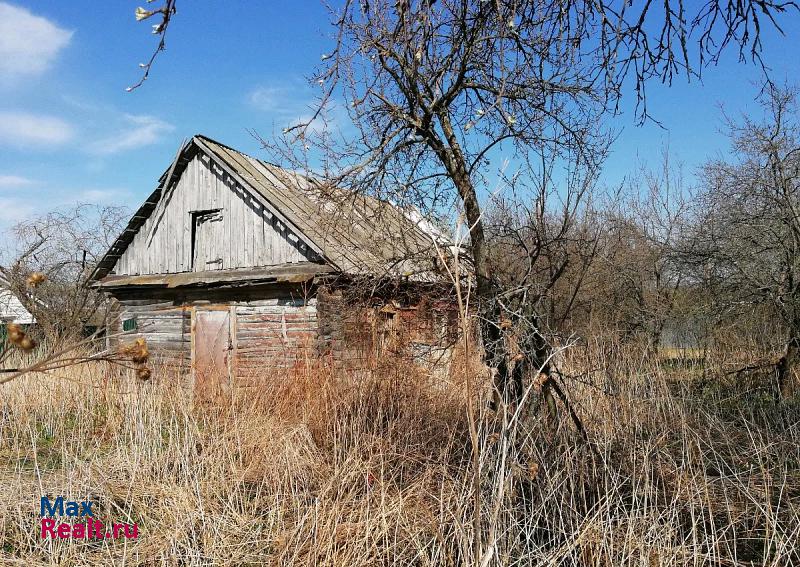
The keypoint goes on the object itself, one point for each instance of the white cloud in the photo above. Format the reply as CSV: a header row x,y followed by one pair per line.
x,y
14,181
268,98
314,126
140,130
28,43
282,100
99,196
15,210
289,104
23,129
20,206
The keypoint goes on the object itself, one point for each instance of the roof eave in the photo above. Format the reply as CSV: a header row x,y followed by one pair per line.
x,y
290,273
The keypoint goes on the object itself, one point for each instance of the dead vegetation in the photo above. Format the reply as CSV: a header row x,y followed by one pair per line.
x,y
323,468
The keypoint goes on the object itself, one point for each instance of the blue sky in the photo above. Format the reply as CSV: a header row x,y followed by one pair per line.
x,y
69,132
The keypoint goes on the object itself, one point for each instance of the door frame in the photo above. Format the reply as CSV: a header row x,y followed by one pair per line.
x,y
232,343
208,216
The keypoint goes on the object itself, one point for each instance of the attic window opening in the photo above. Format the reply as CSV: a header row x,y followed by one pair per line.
x,y
202,237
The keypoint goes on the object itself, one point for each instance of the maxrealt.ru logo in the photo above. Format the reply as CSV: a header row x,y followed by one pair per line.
x,y
88,529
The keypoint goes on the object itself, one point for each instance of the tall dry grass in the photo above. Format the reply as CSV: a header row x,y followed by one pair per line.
x,y
322,468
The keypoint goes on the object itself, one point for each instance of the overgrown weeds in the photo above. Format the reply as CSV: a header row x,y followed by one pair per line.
x,y
322,467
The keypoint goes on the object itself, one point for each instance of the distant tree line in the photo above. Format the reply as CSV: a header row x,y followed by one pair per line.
x,y
661,263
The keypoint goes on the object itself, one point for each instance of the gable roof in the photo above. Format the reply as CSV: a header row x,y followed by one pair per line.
x,y
354,234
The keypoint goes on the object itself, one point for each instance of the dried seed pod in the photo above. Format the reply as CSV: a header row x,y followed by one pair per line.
x,y
128,349
16,336
26,344
143,373
35,279
137,351
15,333
140,356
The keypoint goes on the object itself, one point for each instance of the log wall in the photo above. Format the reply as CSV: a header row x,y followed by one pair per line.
x,y
271,335
360,335
274,335
165,326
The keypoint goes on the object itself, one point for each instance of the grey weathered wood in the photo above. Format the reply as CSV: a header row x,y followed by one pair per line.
x,y
168,250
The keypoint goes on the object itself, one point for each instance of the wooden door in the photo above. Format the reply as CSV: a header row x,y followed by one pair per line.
x,y
212,349
207,240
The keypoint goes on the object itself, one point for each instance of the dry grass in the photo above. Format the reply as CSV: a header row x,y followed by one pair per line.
x,y
321,468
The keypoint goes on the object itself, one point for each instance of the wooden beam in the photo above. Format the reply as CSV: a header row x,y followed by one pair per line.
x,y
161,205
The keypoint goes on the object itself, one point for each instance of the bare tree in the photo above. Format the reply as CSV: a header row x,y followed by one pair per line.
x,y
750,219
544,233
648,235
439,90
62,248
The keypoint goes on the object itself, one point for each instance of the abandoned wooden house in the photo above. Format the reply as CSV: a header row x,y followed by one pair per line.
x,y
236,267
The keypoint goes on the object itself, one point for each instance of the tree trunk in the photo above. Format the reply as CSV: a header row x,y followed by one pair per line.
x,y
489,311
654,339
496,353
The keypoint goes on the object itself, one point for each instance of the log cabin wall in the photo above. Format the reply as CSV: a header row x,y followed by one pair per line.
x,y
273,336
165,326
270,330
358,335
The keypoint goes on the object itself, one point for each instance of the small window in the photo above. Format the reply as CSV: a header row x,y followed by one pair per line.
x,y
130,324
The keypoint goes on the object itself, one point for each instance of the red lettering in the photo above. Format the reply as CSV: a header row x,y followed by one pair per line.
x,y
48,525
64,530
134,533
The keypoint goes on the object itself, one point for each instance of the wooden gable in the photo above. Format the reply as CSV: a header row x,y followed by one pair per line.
x,y
207,220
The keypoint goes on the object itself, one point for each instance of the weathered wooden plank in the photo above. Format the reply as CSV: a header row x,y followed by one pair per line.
x,y
244,222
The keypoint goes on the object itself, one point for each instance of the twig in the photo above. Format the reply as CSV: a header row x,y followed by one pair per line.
x,y
167,11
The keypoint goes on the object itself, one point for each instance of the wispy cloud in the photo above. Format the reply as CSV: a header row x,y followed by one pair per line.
x,y
290,104
14,181
19,206
99,196
269,99
139,131
23,129
13,210
282,100
28,43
